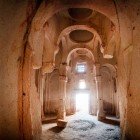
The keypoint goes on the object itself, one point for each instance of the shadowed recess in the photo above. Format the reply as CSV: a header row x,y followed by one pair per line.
x,y
56,129
81,36
80,13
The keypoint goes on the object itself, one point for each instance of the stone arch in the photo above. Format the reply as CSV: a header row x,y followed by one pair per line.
x,y
36,35
75,49
112,69
48,9
69,29
110,99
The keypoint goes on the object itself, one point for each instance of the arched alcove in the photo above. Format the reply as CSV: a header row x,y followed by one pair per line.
x,y
51,93
109,89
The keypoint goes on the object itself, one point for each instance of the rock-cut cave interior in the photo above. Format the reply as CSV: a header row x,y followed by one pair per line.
x,y
69,70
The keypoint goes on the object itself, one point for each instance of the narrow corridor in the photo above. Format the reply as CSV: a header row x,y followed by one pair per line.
x,y
60,59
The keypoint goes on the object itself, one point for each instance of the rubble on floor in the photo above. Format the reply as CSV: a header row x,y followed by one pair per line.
x,y
81,127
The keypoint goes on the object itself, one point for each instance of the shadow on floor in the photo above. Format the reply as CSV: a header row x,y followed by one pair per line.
x,y
56,129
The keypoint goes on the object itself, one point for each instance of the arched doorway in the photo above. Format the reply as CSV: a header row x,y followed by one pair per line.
x,y
35,37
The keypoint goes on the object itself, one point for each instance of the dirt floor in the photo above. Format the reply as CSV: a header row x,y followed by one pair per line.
x,y
81,127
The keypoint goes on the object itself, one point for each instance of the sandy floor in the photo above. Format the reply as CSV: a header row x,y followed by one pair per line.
x,y
81,127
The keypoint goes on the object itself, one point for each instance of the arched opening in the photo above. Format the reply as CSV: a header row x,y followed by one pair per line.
x,y
37,57
67,56
109,87
36,39
81,66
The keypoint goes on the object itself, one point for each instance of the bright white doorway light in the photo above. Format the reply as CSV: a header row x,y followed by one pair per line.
x,y
82,102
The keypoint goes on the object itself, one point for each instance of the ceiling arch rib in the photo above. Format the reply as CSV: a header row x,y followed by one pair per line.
x,y
67,59
69,29
49,8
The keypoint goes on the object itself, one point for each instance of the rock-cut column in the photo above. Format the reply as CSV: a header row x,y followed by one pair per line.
x,y
93,99
98,79
62,92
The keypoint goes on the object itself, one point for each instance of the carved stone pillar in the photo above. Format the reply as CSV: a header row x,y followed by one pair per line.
x,y
110,48
42,86
46,68
100,111
93,104
40,89
62,92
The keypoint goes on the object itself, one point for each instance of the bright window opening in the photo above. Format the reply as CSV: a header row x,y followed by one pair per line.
x,y
80,68
82,84
82,102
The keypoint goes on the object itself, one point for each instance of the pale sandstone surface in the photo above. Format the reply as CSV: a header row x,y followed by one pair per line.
x,y
40,46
